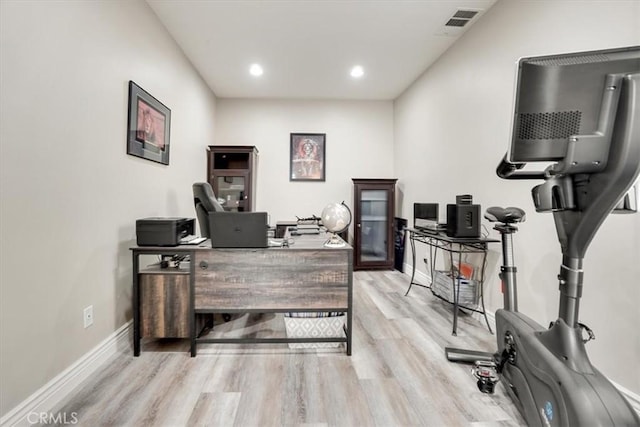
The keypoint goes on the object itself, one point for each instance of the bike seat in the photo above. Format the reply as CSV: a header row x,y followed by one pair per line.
x,y
509,215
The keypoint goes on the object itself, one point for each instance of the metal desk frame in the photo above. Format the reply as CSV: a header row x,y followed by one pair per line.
x,y
452,245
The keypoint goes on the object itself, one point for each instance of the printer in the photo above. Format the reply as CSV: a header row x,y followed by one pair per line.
x,y
163,231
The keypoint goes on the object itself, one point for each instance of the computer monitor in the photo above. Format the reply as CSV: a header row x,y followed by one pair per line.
x,y
565,108
579,112
425,214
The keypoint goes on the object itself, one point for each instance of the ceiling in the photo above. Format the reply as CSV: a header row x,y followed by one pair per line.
x,y
308,47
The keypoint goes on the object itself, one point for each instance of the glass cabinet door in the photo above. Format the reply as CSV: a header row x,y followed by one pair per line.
x,y
374,225
231,192
374,211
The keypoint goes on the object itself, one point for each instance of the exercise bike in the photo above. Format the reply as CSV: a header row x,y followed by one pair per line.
x,y
546,371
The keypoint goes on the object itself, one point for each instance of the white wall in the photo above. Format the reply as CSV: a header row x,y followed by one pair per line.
x,y
70,193
452,129
359,144
69,188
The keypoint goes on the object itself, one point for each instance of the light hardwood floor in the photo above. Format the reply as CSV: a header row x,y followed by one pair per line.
x,y
397,375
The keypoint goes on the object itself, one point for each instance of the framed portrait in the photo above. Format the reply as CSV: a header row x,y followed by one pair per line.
x,y
307,157
148,126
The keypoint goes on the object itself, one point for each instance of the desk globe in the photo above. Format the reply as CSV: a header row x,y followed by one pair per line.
x,y
336,217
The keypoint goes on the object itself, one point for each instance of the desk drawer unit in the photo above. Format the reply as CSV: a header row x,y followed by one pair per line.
x,y
164,305
271,279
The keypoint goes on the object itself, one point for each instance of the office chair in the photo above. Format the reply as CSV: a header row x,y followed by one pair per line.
x,y
205,202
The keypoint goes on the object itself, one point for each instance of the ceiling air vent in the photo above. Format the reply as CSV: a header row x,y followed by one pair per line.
x,y
459,20
456,22
465,14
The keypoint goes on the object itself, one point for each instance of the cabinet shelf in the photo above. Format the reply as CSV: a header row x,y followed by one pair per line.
x,y
373,218
231,171
156,268
168,271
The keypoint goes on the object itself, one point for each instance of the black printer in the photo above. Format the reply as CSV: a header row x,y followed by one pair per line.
x,y
163,231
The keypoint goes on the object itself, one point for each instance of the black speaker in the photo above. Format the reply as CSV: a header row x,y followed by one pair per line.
x,y
464,199
463,220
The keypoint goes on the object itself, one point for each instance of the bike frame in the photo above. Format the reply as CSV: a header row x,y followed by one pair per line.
x,y
547,371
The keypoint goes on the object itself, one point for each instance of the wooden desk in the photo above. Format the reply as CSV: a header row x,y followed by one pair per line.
x,y
304,277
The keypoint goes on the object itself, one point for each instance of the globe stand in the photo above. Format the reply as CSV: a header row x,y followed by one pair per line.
x,y
335,242
336,218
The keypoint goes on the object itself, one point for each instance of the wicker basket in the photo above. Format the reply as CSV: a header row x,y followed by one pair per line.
x,y
442,286
314,327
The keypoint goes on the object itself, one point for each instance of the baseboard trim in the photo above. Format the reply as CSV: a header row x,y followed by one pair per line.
x,y
422,277
632,398
52,393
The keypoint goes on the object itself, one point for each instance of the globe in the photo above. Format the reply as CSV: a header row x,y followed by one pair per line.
x,y
336,217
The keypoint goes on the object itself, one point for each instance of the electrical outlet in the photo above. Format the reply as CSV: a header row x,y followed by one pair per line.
x,y
88,316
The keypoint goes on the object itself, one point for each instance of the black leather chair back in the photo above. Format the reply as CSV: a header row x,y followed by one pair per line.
x,y
205,202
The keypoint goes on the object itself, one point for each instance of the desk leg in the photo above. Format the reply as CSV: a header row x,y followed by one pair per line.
x,y
413,258
349,332
192,304
482,271
433,253
456,291
192,333
349,301
136,307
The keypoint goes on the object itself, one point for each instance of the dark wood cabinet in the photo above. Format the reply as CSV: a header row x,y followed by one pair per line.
x,y
164,303
231,171
373,213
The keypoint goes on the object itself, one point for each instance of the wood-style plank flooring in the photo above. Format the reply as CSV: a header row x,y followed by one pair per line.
x,y
397,375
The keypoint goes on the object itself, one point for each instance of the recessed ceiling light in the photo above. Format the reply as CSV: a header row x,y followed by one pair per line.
x,y
256,70
357,72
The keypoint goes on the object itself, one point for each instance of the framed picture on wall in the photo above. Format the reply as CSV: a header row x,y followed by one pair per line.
x,y
148,126
307,157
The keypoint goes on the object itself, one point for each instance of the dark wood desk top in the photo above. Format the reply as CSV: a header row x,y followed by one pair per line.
x,y
297,242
